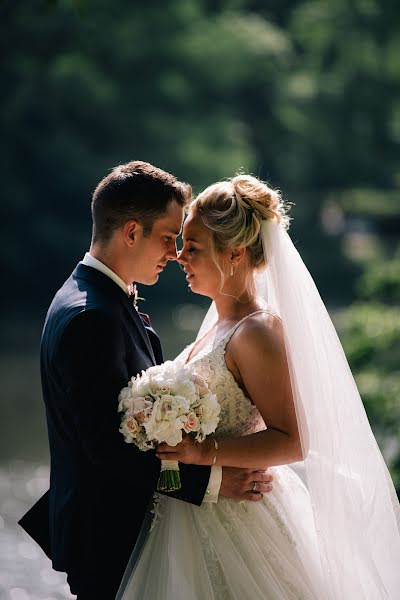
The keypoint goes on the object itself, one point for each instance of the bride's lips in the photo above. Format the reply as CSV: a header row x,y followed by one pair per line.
x,y
188,275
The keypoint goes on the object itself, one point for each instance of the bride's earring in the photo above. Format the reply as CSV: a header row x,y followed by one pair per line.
x,y
232,271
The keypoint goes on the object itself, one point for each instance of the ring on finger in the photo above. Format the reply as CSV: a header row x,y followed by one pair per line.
x,y
253,487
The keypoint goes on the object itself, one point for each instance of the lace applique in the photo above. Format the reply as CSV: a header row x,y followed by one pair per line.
x,y
156,510
216,573
230,515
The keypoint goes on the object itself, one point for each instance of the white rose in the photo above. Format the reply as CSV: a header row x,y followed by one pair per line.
x,y
169,370
134,384
142,388
187,389
125,393
172,407
125,399
164,432
183,404
155,415
173,437
153,370
209,412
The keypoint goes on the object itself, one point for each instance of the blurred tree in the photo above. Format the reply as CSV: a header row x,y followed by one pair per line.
x,y
370,330
200,88
305,94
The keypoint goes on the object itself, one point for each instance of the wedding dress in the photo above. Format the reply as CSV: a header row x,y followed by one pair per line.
x,y
338,537
231,550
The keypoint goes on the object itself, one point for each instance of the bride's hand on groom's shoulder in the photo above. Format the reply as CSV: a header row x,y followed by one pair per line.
x,y
245,484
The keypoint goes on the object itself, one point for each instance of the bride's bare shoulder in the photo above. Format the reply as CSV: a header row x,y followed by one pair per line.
x,y
261,332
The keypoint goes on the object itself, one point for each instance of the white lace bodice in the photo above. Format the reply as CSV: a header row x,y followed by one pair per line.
x,y
239,416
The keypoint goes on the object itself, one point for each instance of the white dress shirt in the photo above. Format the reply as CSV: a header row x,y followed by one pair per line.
x,y
214,484
91,261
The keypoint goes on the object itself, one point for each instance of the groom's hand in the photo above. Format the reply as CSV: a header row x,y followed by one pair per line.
x,y
245,484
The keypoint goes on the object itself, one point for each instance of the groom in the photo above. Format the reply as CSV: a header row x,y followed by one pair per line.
x,y
93,341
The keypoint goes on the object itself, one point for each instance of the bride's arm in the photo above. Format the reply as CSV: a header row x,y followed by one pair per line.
x,y
256,356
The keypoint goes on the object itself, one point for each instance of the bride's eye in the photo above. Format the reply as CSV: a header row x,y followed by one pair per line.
x,y
191,250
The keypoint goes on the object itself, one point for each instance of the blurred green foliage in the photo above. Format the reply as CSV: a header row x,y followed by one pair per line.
x,y
382,280
305,94
372,203
370,331
371,338
301,93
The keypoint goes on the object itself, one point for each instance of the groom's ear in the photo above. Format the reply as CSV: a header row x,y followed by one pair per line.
x,y
130,231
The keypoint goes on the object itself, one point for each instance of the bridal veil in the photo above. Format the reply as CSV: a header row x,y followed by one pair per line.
x,y
355,507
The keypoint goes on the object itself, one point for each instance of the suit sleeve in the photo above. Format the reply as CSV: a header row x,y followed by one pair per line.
x,y
194,479
92,369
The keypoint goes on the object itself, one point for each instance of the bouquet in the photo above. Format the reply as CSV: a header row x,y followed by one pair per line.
x,y
163,404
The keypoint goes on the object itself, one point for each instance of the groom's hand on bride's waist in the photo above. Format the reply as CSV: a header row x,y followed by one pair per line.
x,y
245,484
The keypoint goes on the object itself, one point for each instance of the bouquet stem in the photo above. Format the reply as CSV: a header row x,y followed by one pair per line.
x,y
169,480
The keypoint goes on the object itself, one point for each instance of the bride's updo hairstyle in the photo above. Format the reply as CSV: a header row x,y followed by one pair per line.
x,y
234,211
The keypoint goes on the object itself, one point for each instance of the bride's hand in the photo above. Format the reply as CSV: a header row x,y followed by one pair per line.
x,y
188,452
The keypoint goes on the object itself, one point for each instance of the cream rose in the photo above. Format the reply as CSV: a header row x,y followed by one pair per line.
x,y
191,423
132,426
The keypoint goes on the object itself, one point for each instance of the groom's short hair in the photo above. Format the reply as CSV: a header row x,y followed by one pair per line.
x,y
136,190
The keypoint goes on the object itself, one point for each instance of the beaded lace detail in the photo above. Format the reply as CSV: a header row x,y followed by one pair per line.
x,y
239,416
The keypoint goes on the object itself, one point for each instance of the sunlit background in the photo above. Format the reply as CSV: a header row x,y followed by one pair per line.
x,y
305,94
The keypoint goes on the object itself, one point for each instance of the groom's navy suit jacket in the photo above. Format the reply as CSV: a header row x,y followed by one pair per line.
x,y
93,341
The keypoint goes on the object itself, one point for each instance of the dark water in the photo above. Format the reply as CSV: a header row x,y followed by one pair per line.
x,y
25,571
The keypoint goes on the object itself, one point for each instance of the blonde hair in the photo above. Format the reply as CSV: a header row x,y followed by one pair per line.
x,y
234,211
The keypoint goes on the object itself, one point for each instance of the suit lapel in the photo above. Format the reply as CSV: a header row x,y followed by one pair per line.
x,y
154,339
133,313
97,278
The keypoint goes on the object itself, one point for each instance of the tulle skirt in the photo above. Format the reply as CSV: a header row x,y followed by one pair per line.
x,y
232,550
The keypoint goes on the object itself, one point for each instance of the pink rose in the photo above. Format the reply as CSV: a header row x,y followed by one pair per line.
x,y
191,423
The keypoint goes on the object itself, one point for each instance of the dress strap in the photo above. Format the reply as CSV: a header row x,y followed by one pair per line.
x,y
225,339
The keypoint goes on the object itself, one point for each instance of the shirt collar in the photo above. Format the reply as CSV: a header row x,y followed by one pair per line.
x,y
91,261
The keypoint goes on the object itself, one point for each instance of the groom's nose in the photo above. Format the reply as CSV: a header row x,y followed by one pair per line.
x,y
172,253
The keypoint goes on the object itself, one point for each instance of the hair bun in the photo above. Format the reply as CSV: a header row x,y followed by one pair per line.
x,y
255,195
234,211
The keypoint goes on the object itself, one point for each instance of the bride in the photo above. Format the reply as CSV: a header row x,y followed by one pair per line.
x,y
268,350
